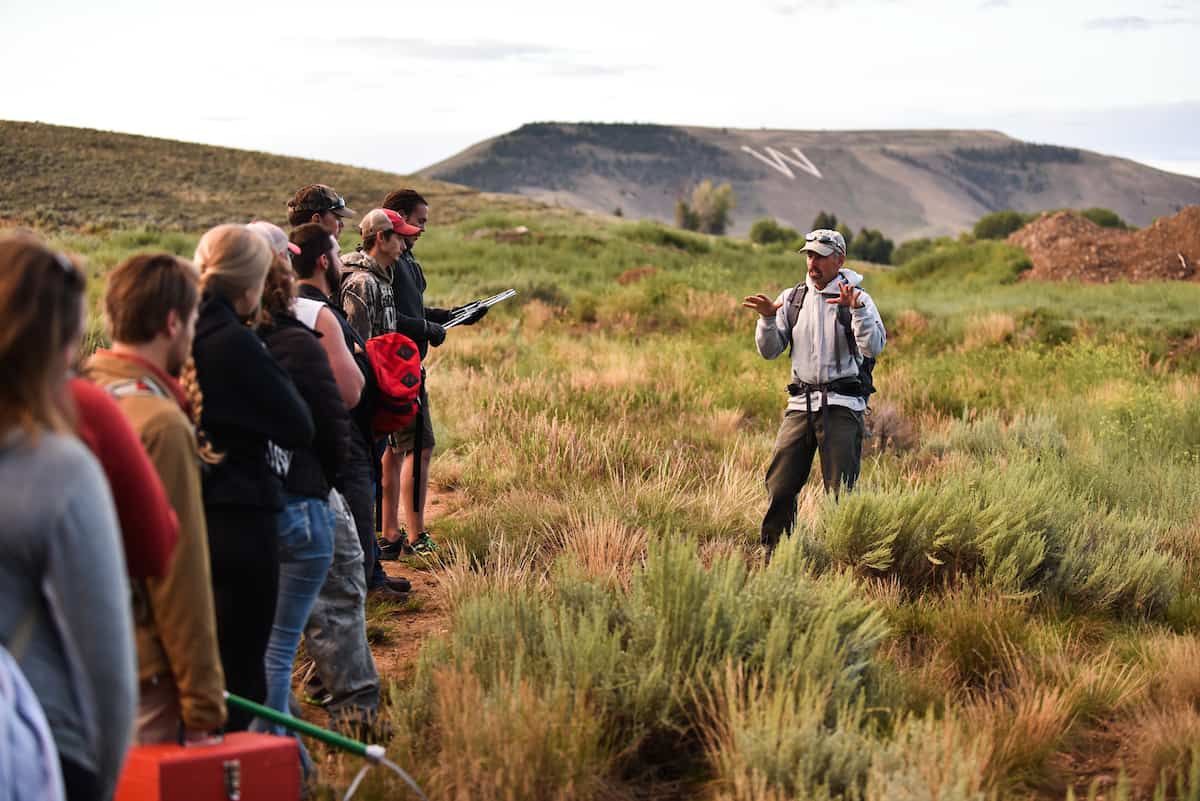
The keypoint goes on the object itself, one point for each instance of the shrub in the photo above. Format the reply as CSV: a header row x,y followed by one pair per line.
x,y
870,245
685,217
655,234
516,742
998,224
910,249
768,231
1105,218
785,739
930,759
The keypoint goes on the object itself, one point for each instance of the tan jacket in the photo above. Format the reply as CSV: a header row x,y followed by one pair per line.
x,y
176,627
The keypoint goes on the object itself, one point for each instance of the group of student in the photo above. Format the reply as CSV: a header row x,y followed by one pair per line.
x,y
179,509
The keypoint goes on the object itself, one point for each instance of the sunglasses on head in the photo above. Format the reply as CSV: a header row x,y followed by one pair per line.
x,y
824,239
338,205
69,271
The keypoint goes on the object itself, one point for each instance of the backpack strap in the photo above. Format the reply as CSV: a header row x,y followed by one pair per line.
x,y
843,317
795,304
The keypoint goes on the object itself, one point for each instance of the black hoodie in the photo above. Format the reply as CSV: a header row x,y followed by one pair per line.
x,y
314,469
249,402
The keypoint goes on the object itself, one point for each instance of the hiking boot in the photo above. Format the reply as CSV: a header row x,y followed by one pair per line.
x,y
397,584
391,551
424,546
386,593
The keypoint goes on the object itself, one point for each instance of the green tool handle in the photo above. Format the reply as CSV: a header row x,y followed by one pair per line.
x,y
304,727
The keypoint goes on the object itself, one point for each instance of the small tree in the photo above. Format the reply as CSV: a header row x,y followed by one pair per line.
x,y
871,245
846,233
998,224
685,217
713,205
825,220
768,231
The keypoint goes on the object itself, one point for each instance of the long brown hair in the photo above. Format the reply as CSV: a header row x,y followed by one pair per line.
x,y
41,304
279,291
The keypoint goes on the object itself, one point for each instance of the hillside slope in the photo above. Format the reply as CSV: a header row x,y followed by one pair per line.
x,y
53,176
906,183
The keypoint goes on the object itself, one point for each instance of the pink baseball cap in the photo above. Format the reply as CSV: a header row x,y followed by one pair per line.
x,y
274,235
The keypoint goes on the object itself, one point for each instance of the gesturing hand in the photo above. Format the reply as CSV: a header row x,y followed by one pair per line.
x,y
847,296
761,304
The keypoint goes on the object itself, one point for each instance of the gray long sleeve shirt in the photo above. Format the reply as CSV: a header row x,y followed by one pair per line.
x,y
62,565
820,354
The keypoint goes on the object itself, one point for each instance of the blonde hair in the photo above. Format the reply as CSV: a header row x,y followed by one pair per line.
x,y
232,260
190,384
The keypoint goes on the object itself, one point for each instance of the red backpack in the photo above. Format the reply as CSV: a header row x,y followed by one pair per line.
x,y
397,366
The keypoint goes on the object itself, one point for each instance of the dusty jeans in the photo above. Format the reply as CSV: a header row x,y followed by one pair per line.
x,y
336,635
835,432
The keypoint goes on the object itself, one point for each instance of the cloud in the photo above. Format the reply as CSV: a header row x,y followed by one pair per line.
x,y
1131,24
789,7
568,70
425,50
553,61
989,4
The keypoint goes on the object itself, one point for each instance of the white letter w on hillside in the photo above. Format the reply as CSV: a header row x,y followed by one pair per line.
x,y
777,160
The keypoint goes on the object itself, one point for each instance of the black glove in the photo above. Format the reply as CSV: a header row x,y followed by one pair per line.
x,y
434,333
476,316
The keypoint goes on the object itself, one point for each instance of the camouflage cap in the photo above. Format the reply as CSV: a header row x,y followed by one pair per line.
x,y
824,242
319,198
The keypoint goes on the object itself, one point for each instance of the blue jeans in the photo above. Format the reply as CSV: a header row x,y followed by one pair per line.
x,y
305,554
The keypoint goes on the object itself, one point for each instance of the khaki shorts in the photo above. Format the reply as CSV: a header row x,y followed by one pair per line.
x,y
402,441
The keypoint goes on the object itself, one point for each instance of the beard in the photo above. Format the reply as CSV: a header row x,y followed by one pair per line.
x,y
333,277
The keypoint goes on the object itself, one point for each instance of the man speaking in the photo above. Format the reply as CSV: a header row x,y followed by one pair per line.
x,y
835,333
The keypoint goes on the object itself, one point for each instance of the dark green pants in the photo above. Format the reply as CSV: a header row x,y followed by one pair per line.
x,y
837,434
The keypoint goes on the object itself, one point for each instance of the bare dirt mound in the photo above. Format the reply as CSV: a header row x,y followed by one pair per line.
x,y
1065,246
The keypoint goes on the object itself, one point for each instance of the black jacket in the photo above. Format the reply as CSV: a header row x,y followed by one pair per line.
x,y
408,283
249,401
315,468
361,414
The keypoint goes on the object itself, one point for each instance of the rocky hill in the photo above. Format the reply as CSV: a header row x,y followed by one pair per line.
x,y
906,183
53,176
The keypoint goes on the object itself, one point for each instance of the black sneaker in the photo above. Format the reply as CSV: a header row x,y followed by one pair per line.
x,y
397,584
391,551
424,546
386,593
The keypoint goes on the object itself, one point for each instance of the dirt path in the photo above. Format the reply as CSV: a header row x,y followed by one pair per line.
x,y
405,628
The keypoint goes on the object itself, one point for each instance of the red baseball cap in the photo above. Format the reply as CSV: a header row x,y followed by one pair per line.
x,y
377,220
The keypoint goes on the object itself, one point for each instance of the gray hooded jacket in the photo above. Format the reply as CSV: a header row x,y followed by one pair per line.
x,y
821,354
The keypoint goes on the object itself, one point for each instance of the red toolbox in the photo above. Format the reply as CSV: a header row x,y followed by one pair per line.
x,y
245,767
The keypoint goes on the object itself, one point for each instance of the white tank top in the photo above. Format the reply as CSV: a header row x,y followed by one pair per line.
x,y
306,311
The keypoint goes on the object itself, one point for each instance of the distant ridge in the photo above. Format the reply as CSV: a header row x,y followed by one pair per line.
x,y
906,183
53,176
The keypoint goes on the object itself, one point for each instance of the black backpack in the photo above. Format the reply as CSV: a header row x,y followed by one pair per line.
x,y
864,385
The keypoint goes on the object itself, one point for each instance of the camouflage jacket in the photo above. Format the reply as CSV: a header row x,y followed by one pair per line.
x,y
367,295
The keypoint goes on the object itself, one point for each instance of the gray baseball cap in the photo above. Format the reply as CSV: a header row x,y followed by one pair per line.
x,y
824,242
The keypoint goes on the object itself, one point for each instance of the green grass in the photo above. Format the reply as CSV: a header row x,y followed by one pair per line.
x,y
984,617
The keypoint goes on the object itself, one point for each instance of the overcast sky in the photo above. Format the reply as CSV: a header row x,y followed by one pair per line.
x,y
401,85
